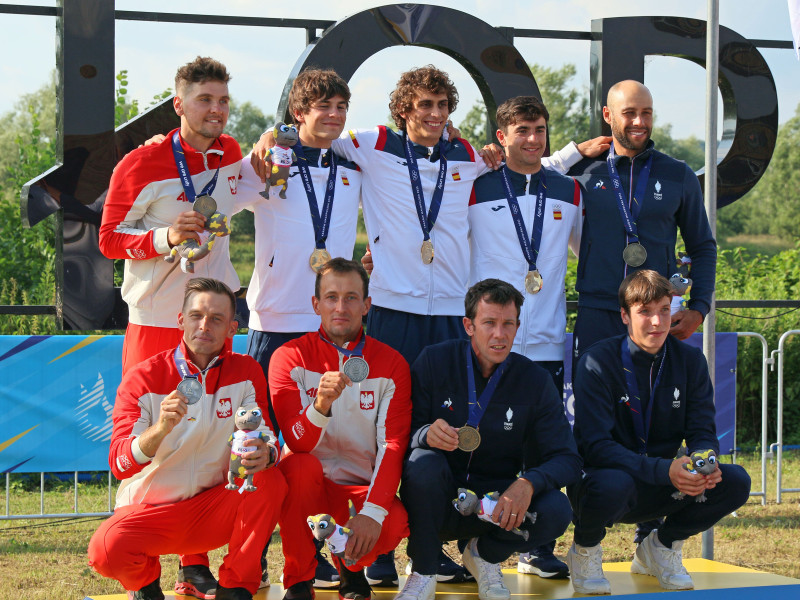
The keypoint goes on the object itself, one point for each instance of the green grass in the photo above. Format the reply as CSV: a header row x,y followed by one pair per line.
x,y
42,558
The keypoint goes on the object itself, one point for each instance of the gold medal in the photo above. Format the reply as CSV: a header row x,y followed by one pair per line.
x,y
427,252
468,438
318,259
533,282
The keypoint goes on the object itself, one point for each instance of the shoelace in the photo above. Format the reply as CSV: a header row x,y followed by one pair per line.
x,y
674,558
415,584
493,575
590,566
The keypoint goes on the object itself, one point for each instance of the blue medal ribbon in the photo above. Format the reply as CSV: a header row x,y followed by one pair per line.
x,y
530,247
477,406
426,220
322,222
183,366
629,213
183,171
641,417
358,350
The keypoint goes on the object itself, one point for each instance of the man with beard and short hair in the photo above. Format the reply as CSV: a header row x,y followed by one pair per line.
x,y
668,199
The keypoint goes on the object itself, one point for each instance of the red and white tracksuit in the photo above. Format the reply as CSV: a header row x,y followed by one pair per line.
x,y
356,453
177,502
145,197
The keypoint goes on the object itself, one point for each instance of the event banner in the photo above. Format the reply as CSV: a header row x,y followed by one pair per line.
x,y
58,394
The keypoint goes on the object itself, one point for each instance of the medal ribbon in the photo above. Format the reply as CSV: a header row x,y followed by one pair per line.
x,y
358,350
477,406
641,418
183,366
530,248
321,222
426,220
628,213
183,171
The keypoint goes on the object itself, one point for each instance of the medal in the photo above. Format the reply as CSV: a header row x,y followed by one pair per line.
x,y
356,368
634,254
191,389
533,282
426,251
468,438
205,205
318,258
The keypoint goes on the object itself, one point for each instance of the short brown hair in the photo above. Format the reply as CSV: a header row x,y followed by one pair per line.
x,y
427,78
520,108
643,287
342,265
206,284
200,70
315,84
493,291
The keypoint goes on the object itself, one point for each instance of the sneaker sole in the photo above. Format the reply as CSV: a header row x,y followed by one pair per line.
x,y
638,568
383,582
531,570
325,585
187,589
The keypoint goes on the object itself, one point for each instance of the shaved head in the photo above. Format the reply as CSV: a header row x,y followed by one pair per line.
x,y
629,112
628,90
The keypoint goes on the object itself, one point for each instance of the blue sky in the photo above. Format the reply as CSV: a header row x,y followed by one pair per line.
x,y
260,59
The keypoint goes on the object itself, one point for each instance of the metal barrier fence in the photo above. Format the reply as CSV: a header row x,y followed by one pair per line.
x,y
779,408
42,515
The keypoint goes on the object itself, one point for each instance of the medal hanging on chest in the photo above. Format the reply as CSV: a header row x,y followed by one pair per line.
x,y
320,220
469,438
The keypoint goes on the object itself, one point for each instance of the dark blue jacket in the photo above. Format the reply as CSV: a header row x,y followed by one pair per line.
x,y
683,407
673,200
523,428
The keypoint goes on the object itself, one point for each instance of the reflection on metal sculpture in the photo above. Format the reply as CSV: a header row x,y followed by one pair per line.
x,y
749,97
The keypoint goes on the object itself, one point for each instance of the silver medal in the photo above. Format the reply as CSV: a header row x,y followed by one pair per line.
x,y
205,205
634,254
356,368
191,389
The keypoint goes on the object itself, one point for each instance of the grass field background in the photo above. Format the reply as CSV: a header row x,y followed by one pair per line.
x,y
45,559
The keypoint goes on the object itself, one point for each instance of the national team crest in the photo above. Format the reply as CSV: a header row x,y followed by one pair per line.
x,y
232,184
557,212
224,408
456,175
345,181
367,400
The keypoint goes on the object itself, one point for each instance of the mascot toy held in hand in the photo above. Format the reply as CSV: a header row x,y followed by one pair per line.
x,y
467,503
247,421
703,462
280,157
681,283
325,529
216,226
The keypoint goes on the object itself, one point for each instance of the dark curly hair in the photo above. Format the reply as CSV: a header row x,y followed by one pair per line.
x,y
427,78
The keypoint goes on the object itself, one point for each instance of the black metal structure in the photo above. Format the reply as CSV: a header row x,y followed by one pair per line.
x,y
91,147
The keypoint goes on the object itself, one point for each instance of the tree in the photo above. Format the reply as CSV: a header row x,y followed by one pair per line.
x,y
246,123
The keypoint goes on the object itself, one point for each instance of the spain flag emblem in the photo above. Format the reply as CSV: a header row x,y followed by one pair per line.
x,y
456,176
557,212
344,180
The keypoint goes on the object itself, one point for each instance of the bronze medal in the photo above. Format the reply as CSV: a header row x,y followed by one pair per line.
x,y
634,254
205,205
533,282
427,252
468,438
318,258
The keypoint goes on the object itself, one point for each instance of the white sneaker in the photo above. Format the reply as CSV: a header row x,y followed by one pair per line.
x,y
666,564
586,569
418,587
488,575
